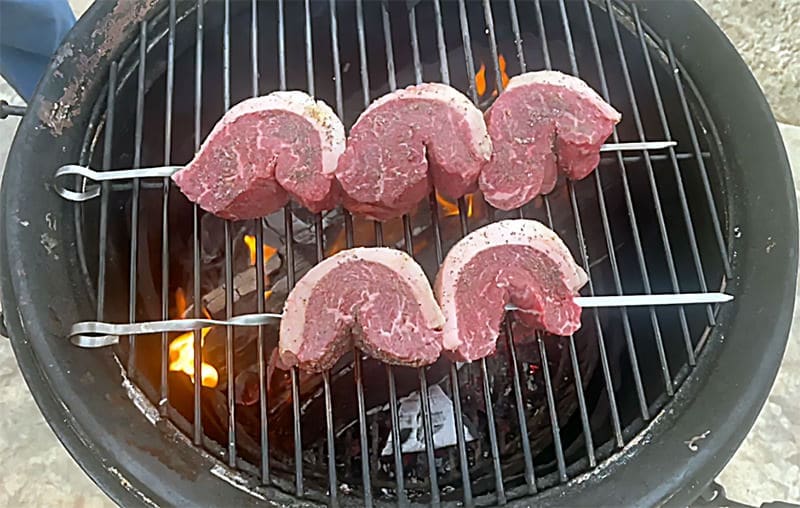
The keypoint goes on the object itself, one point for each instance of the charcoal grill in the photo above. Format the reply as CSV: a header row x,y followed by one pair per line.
x,y
642,406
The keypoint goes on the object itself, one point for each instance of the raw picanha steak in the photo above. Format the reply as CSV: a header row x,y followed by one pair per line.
x,y
376,298
512,261
543,122
405,140
263,151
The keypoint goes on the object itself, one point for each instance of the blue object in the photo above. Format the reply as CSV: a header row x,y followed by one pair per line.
x,y
30,32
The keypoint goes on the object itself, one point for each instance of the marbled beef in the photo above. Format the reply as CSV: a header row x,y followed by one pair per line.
x,y
543,122
376,298
406,140
264,151
512,261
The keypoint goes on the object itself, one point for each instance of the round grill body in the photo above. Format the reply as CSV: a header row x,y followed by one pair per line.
x,y
601,418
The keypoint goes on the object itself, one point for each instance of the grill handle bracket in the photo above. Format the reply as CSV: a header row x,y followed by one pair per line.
x,y
714,496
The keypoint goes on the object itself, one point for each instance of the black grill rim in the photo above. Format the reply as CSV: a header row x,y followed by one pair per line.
x,y
649,474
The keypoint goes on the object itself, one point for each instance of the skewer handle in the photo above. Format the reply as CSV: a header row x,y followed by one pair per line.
x,y
92,188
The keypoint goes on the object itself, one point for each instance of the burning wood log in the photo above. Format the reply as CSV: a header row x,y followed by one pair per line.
x,y
245,283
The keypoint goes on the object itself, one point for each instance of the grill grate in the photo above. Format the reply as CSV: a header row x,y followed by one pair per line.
x,y
503,489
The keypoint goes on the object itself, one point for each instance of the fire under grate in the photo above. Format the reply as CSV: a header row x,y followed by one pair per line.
x,y
537,414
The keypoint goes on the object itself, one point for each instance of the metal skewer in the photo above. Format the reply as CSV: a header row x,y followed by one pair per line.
x,y
93,334
651,300
92,189
647,145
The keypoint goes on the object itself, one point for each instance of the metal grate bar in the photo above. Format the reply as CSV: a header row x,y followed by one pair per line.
x,y
337,68
290,274
362,427
655,192
543,35
263,410
396,447
396,452
554,425
493,442
512,8
428,425
309,50
610,248
103,227
659,214
281,47
320,252
615,418
551,403
349,235
196,237
137,162
654,157
423,382
469,58
387,40
332,483
631,212
440,44
437,233
530,474
262,352
164,401
584,414
712,205
687,216
349,241
254,46
229,335
362,417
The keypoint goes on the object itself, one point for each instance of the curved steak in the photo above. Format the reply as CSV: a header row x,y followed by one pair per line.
x,y
511,261
263,151
405,139
377,298
543,121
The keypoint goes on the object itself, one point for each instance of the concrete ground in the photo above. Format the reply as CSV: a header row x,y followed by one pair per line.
x,y
38,472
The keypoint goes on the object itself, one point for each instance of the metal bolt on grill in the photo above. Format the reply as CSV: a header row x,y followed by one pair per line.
x,y
537,415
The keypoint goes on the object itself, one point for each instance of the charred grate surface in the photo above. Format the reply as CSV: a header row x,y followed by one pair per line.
x,y
538,413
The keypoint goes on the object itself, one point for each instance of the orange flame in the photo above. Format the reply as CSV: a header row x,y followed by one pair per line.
x,y
180,303
480,77
250,242
181,349
181,358
480,80
337,245
503,76
450,209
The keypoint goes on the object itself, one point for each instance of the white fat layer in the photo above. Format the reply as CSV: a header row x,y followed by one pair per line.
x,y
513,232
319,114
403,265
480,141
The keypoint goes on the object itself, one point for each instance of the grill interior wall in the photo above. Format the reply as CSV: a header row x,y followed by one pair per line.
x,y
570,419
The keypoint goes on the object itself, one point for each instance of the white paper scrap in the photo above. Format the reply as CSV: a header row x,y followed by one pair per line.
x,y
442,420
